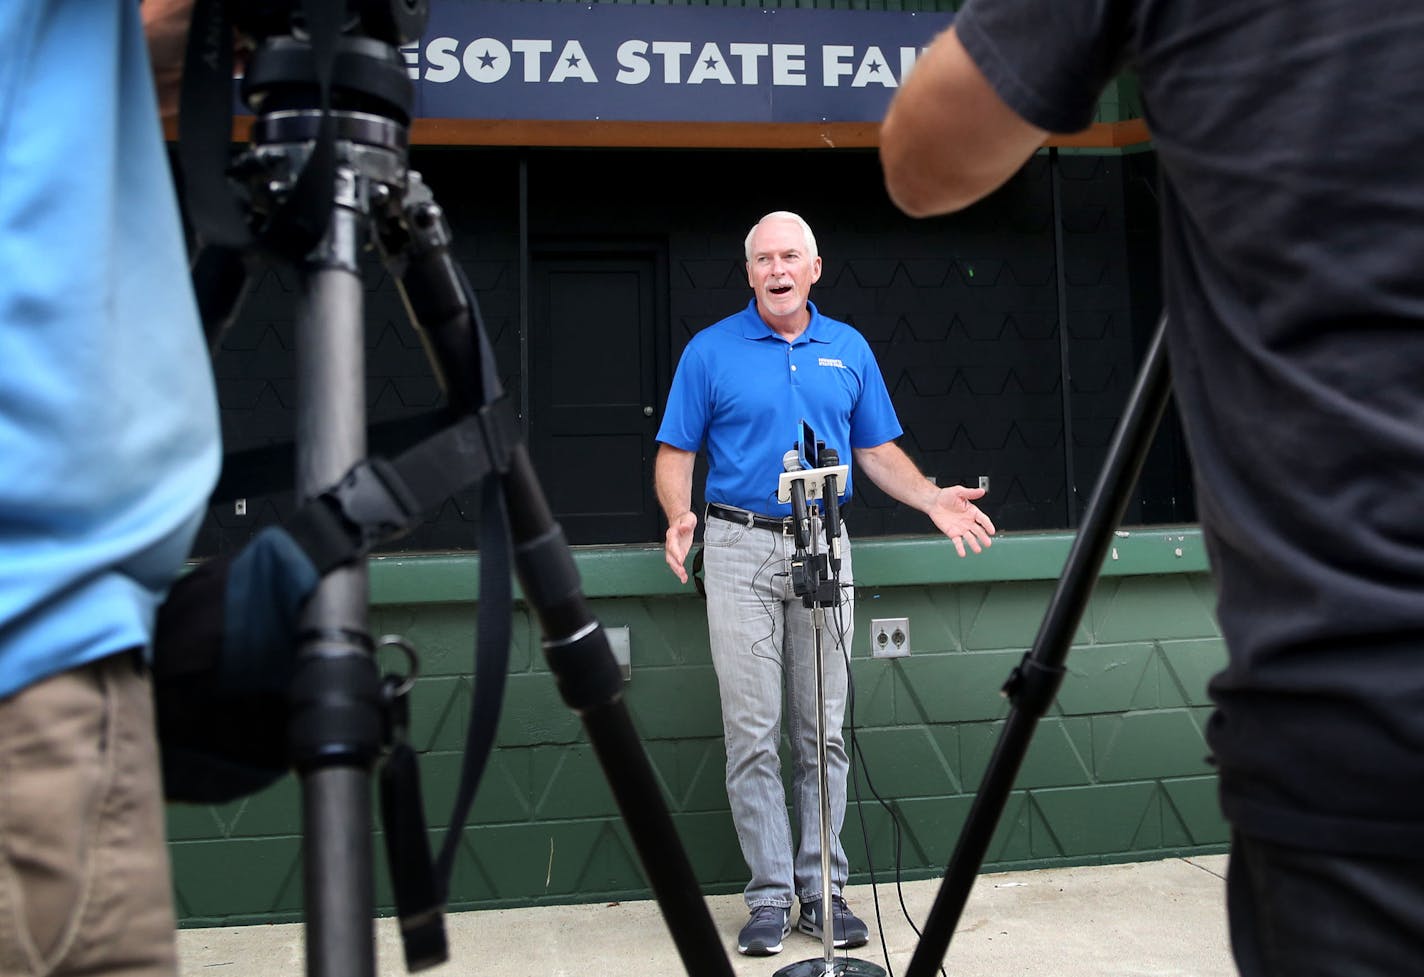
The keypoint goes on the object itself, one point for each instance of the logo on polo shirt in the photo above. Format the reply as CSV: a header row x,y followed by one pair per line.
x,y
828,361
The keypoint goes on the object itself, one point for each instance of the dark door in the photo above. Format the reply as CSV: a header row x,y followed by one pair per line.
x,y
593,392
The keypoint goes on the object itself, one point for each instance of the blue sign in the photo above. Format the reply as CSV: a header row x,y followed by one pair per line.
x,y
602,62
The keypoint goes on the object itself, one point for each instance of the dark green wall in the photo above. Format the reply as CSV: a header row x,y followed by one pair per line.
x,y
1116,771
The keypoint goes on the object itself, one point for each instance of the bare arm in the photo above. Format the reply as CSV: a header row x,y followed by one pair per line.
x,y
166,24
951,509
672,480
948,139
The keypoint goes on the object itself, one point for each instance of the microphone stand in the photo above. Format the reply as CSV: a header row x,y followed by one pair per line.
x,y
818,589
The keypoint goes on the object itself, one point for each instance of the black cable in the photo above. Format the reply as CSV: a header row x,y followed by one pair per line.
x,y
855,787
898,847
850,715
765,604
864,767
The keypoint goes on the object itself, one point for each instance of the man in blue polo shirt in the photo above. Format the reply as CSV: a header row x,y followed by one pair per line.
x,y
742,389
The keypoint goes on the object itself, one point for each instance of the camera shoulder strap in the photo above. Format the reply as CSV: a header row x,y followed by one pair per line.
x,y
205,119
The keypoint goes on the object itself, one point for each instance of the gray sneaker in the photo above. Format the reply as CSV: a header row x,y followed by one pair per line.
x,y
765,930
847,930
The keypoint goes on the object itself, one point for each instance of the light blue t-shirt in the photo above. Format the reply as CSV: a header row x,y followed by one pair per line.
x,y
743,391
109,442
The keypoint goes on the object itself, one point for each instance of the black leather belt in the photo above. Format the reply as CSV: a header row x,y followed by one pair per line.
x,y
715,510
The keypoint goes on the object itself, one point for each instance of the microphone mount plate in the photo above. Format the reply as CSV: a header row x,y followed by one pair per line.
x,y
814,479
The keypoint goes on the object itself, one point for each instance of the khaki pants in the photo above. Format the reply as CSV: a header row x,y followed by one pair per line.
x,y
84,877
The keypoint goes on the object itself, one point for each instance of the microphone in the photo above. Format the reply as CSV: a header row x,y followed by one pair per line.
x,y
830,459
791,462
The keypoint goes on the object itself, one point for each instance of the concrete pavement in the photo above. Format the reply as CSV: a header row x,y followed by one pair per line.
x,y
1143,919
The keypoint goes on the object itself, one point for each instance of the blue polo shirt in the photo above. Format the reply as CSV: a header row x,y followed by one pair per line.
x,y
108,420
742,391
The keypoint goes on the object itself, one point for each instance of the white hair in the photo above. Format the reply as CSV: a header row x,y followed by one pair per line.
x,y
783,215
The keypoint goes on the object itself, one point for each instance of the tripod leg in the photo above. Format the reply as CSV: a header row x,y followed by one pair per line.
x,y
220,282
1036,680
576,647
336,717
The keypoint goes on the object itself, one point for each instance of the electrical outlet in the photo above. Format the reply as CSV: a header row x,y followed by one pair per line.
x,y
890,637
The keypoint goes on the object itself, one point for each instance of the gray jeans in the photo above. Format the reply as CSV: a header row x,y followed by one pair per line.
x,y
760,633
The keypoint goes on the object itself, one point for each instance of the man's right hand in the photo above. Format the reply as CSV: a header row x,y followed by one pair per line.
x,y
678,542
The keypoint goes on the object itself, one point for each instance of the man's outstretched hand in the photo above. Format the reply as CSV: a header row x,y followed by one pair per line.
x,y
956,515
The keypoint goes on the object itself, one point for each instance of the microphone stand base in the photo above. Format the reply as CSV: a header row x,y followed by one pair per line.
x,y
838,967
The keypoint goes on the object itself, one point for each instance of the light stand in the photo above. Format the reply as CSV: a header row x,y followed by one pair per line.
x,y
818,588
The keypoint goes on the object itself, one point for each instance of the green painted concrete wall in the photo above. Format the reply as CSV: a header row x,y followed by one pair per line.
x,y
1116,772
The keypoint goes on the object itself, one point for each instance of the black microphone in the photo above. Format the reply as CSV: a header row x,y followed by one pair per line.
x,y
830,459
791,462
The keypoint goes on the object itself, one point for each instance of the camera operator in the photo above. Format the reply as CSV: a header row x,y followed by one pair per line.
x,y
742,388
1293,217
109,448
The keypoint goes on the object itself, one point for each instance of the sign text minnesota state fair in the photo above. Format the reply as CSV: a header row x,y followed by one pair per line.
x,y
501,60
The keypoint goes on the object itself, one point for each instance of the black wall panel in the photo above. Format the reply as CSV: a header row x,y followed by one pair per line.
x,y
963,312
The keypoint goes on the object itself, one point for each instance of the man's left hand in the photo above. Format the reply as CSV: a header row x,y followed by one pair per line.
x,y
956,515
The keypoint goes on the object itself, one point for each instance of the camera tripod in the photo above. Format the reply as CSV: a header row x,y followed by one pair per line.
x,y
333,106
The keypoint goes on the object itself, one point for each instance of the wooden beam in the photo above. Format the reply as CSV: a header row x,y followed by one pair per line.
x,y
695,135
713,135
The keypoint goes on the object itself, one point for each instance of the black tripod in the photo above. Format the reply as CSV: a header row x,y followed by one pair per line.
x,y
1032,685
333,110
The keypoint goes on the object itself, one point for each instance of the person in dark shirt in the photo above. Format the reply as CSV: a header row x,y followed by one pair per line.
x,y
1289,135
